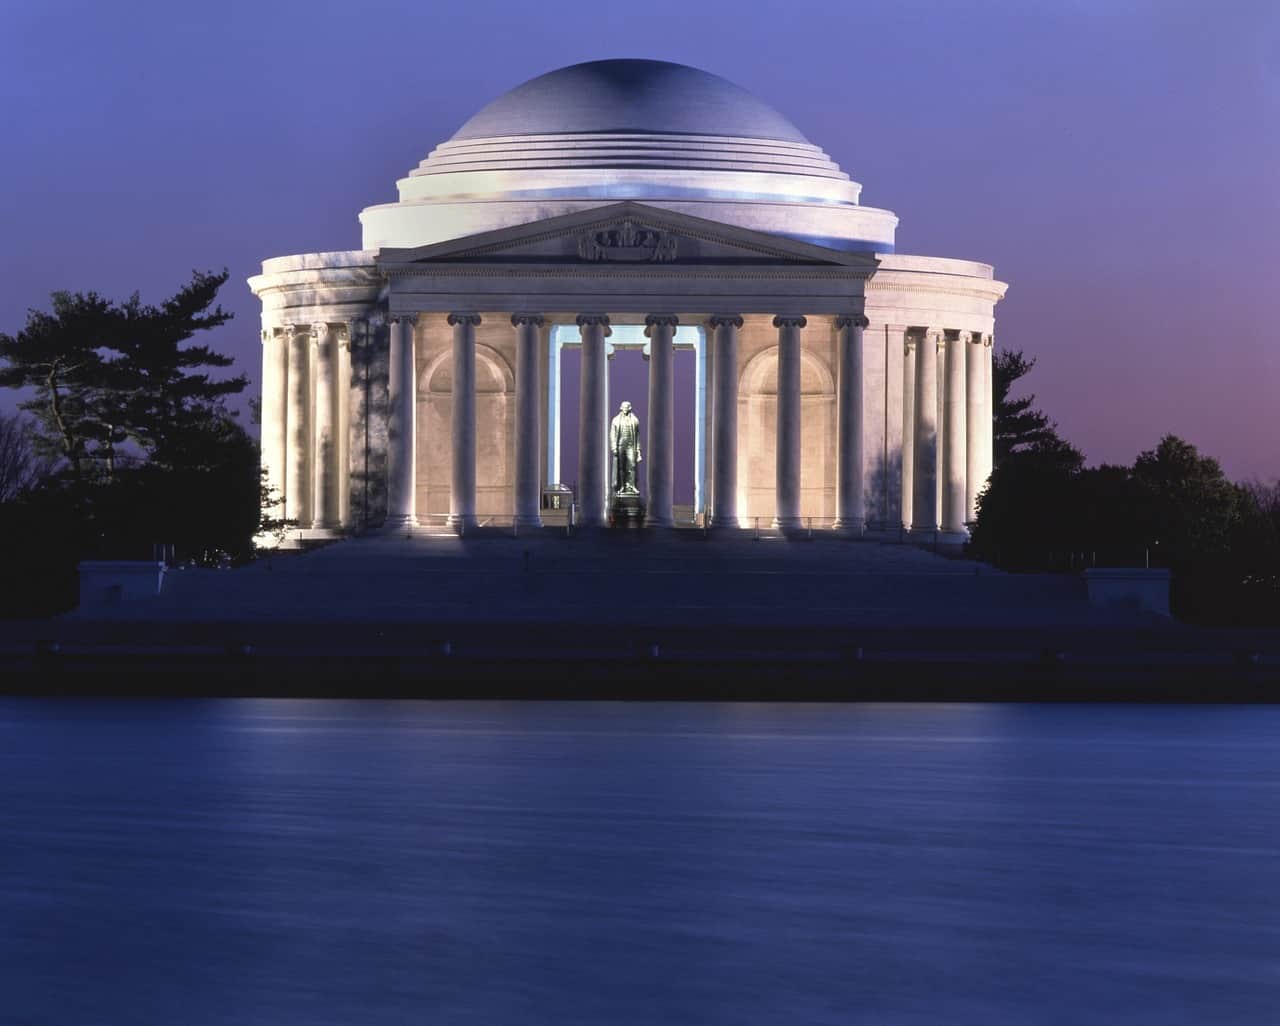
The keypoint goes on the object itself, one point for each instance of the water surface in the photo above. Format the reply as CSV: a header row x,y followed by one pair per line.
x,y
280,862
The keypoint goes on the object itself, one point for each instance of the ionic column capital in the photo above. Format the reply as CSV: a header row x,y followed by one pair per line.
x,y
402,318
319,332
988,341
789,321
851,321
659,321
470,320
594,320
724,321
289,331
522,319
267,335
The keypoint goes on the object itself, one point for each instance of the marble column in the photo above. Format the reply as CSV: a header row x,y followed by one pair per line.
x,y
724,434
593,420
974,377
298,488
324,503
660,446
986,448
274,429
401,421
527,504
924,510
955,434
346,341
462,491
850,489
909,344
787,453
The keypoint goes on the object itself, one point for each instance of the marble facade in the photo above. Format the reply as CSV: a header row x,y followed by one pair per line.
x,y
416,380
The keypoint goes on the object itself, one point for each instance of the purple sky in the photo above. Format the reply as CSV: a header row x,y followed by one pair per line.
x,y
1117,160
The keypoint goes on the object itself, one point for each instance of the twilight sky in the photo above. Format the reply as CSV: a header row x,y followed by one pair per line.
x,y
1117,160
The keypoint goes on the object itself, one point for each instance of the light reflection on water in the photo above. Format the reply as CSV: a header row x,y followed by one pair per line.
x,y
341,862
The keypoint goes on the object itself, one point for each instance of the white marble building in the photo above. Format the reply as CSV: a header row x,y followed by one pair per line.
x,y
840,383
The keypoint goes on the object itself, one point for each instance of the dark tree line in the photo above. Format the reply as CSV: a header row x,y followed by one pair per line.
x,y
124,443
1044,510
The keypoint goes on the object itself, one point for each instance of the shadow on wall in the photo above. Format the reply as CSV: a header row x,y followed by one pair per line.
x,y
883,495
370,362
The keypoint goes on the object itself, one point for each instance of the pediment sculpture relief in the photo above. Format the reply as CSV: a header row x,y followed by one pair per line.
x,y
628,243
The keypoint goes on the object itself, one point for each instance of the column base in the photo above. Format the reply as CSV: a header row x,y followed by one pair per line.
x,y
725,520
530,520
398,522
852,528
461,522
787,523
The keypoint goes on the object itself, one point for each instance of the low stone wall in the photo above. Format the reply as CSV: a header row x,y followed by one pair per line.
x,y
107,582
1129,588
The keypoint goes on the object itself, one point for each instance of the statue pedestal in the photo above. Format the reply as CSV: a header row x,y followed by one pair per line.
x,y
626,511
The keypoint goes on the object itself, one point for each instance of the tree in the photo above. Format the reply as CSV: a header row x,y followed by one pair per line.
x,y
1190,507
1018,425
1026,511
21,467
59,356
107,375
169,393
129,408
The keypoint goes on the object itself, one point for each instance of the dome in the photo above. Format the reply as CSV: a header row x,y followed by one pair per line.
x,y
629,96
646,131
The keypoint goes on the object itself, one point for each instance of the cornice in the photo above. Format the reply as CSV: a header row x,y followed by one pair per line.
x,y
627,271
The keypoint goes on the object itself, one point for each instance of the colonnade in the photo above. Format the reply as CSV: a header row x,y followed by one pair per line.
x,y
306,377
947,428
946,406
593,450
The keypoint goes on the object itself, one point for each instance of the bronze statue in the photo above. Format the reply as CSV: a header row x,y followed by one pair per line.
x,y
624,443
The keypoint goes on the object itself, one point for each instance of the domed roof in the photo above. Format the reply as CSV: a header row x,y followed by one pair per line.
x,y
624,96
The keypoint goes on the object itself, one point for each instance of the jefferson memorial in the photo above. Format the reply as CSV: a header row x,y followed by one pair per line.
x,y
838,382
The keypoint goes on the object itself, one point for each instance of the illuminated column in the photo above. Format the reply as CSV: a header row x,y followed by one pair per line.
x,y
787,453
297,495
325,497
724,512
401,417
924,511
955,435
974,378
850,496
274,429
528,436
986,449
593,419
908,428
661,442
346,340
462,493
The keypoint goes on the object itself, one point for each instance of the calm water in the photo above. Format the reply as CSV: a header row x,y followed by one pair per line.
x,y
283,862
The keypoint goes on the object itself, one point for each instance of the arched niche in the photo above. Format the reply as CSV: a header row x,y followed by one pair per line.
x,y
757,436
495,434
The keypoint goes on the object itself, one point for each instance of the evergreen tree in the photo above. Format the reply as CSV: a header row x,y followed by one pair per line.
x,y
107,375
60,357
1018,425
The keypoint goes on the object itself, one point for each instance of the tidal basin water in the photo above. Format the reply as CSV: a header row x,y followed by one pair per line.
x,y
317,862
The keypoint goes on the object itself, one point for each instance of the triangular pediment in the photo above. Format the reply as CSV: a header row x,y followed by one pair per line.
x,y
629,236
